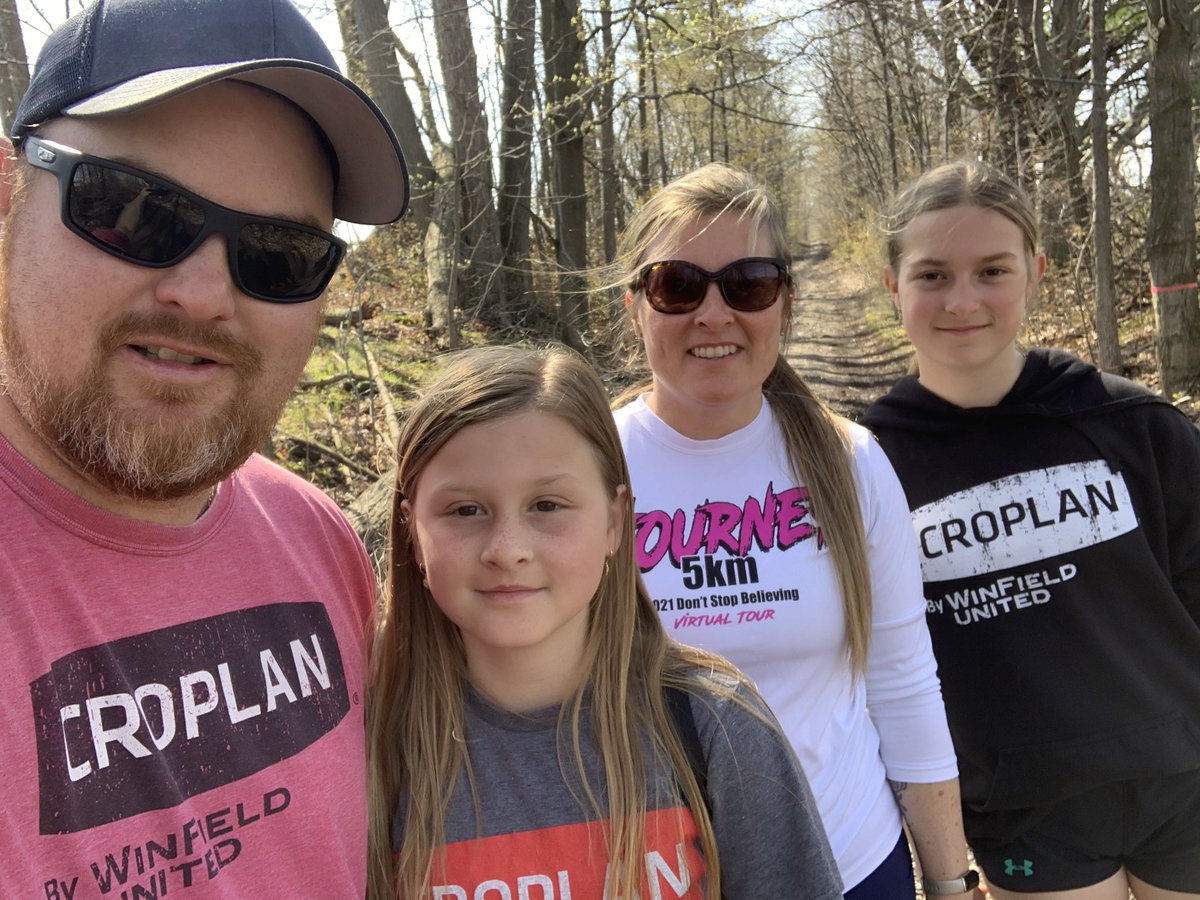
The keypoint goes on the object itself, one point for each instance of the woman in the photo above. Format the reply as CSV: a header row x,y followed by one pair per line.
x,y
775,533
533,732
1060,543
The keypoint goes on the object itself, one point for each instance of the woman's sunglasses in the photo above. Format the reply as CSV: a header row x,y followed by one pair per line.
x,y
140,218
674,286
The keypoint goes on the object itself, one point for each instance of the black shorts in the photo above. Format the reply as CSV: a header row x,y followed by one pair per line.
x,y
1151,826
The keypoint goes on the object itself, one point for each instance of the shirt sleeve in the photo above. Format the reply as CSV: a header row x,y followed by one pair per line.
x,y
904,695
769,834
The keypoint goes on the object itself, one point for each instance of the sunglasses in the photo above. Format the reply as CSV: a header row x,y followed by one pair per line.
x,y
142,219
674,286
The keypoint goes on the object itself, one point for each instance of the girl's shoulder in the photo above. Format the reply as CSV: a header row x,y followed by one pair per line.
x,y
721,698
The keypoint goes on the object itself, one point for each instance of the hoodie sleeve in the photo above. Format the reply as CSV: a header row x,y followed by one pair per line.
x,y
1177,449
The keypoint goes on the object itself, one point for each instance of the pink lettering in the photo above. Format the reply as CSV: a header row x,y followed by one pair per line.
x,y
777,521
758,522
652,538
793,510
694,539
723,521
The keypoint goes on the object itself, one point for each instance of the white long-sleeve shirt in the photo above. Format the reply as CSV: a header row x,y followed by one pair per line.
x,y
736,564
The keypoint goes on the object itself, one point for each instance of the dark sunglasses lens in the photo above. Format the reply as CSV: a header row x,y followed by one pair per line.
x,y
131,216
283,263
674,287
751,285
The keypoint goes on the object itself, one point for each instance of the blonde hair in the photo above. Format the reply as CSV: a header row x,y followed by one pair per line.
x,y
954,184
818,441
416,698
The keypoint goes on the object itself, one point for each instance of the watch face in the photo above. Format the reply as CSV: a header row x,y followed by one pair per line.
x,y
971,880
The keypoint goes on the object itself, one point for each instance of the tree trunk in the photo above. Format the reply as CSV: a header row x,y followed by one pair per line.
x,y
14,66
1057,54
1008,88
610,185
377,49
514,197
563,51
643,112
356,67
1171,238
952,113
1106,290
441,252
890,80
480,291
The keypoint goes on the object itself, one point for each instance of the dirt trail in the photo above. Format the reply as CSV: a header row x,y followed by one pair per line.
x,y
842,357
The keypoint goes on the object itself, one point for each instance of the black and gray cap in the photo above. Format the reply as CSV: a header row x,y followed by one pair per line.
x,y
118,55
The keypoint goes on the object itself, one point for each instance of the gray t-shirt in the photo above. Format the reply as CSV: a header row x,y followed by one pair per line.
x,y
536,837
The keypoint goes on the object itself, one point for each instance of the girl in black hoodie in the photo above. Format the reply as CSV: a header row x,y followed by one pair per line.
x,y
1055,508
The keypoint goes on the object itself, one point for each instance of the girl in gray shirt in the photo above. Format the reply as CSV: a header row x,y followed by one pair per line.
x,y
533,731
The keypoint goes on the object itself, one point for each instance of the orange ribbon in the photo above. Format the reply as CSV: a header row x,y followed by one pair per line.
x,y
1171,288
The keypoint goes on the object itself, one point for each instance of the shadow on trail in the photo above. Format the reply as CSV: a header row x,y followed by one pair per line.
x,y
846,360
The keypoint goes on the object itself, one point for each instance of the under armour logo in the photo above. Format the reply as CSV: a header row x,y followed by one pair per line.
x,y
1025,868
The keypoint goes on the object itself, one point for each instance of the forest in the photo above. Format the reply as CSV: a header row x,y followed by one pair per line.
x,y
533,127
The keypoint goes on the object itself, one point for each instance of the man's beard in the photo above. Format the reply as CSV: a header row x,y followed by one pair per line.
x,y
162,455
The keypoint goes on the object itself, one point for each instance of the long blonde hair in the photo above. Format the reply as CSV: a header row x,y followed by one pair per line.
x,y
416,699
818,441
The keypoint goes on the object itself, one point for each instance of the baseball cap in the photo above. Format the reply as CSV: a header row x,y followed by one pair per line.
x,y
118,55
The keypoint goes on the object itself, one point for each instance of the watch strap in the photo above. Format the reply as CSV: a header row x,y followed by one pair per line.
x,y
967,881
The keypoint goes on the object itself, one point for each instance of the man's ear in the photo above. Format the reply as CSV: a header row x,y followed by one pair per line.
x,y
10,164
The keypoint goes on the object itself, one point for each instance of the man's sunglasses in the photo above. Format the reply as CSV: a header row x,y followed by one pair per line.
x,y
140,218
673,286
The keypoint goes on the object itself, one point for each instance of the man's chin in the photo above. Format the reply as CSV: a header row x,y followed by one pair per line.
x,y
157,447
163,461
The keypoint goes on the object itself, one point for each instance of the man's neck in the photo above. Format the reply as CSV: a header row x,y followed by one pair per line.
x,y
45,458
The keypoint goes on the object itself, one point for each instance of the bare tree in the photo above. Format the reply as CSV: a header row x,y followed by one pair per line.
x,y
1171,240
994,35
1058,35
374,43
479,232
1106,291
356,68
610,185
14,67
563,51
515,192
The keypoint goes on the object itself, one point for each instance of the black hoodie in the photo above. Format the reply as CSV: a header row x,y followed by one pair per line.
x,y
1060,543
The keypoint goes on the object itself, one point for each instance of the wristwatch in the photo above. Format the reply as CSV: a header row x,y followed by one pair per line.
x,y
967,881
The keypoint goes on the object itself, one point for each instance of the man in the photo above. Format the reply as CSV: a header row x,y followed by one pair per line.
x,y
182,623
